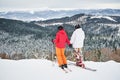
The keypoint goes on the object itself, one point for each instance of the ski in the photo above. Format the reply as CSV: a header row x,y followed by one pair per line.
x,y
90,69
86,68
69,69
65,70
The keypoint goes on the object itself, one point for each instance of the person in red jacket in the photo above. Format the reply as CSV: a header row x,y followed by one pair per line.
x,y
60,44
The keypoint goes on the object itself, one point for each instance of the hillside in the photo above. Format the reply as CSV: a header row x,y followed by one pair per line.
x,y
103,28
17,37
33,39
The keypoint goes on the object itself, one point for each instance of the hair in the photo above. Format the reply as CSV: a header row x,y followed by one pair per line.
x,y
60,27
77,26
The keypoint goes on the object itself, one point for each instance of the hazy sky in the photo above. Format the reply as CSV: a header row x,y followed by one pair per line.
x,y
35,4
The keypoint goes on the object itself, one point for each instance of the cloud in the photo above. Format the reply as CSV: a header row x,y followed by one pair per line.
x,y
85,4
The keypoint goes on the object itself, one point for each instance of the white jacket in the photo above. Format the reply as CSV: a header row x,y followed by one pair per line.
x,y
77,38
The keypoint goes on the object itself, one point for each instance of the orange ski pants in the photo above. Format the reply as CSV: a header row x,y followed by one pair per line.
x,y
61,56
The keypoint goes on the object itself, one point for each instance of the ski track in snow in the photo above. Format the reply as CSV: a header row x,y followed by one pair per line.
x,y
41,69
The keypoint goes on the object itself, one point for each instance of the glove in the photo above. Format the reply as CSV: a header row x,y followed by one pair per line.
x,y
70,45
52,41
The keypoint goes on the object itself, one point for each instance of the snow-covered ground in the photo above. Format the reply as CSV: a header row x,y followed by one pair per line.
x,y
40,69
106,17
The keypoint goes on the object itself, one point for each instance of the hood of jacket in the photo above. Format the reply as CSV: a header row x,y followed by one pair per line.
x,y
62,32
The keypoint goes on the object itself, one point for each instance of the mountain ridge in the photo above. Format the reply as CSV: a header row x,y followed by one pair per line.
x,y
51,14
31,39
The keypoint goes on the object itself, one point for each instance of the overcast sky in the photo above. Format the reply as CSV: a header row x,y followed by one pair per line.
x,y
36,4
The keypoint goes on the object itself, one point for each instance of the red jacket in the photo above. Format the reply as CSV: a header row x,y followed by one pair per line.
x,y
61,39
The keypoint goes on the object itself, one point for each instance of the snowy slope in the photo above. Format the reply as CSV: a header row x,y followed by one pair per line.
x,y
45,70
106,17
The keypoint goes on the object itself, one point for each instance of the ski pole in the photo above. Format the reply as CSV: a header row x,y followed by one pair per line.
x,y
52,54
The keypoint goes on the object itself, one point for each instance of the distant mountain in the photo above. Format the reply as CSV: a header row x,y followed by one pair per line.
x,y
34,38
96,26
51,14
80,19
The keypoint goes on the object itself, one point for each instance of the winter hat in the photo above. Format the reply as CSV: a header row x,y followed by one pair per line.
x,y
77,26
60,27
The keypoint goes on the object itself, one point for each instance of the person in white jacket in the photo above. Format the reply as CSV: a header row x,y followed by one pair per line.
x,y
77,41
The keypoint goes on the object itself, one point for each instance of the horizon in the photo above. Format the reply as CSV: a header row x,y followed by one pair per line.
x,y
11,5
55,9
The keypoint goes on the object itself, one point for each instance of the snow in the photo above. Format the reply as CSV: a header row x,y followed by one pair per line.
x,y
107,17
41,69
53,24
